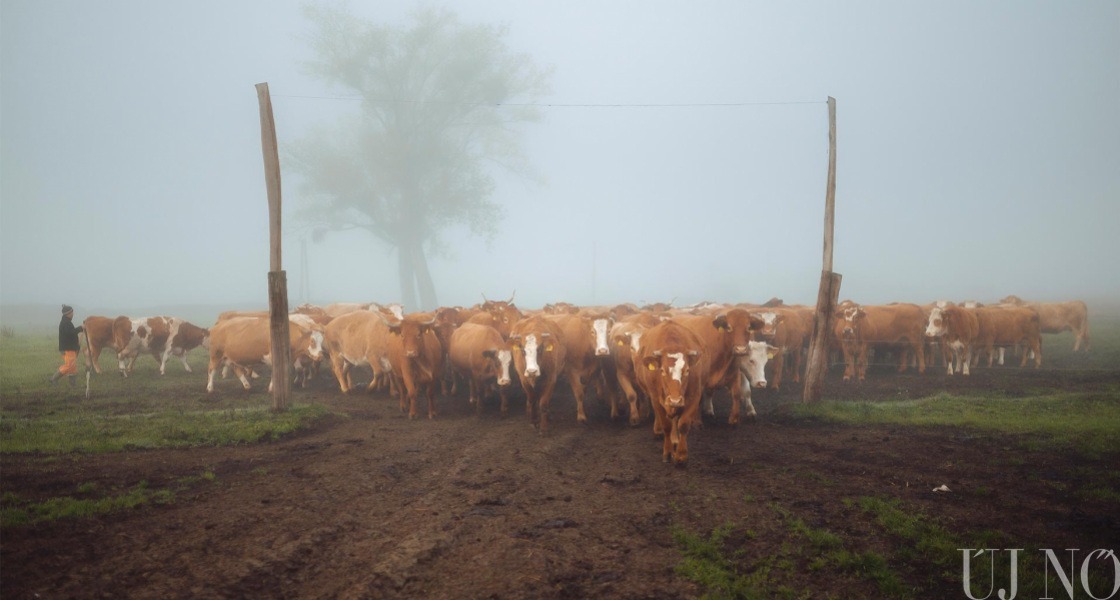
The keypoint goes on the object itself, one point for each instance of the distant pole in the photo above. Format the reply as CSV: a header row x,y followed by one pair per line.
x,y
829,290
277,279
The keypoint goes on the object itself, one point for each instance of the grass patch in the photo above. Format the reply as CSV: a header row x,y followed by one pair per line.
x,y
830,552
707,564
87,431
1086,422
13,511
145,410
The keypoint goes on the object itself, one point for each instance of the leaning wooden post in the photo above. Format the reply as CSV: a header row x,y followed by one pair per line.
x,y
277,279
829,290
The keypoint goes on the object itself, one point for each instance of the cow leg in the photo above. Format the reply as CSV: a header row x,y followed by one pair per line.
x,y
631,399
545,401
215,360
779,367
577,390
748,405
660,427
531,404
709,406
797,364
861,362
339,372
162,358
475,395
95,352
504,399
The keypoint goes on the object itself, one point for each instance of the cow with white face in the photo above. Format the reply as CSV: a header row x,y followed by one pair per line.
x,y
479,354
752,370
539,357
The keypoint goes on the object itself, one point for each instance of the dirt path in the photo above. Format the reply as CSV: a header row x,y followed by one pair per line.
x,y
372,505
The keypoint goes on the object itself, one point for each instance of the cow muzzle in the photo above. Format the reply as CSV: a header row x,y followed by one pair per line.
x,y
412,354
674,401
739,350
532,372
602,351
503,381
761,383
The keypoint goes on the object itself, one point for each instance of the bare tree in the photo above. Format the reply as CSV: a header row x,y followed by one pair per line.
x,y
442,106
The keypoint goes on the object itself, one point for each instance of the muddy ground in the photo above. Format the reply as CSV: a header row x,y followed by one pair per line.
x,y
369,504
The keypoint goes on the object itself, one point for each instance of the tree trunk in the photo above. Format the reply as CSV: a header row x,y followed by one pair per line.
x,y
424,282
406,275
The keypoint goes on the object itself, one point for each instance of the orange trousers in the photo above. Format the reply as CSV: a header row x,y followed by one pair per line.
x,y
69,363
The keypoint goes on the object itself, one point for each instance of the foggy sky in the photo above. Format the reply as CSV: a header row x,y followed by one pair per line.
x,y
978,153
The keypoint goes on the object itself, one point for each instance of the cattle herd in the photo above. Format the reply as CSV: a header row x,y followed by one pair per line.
x,y
652,359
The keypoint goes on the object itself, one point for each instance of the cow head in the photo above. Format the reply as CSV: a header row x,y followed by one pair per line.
x,y
848,320
530,345
738,325
770,323
753,364
498,364
936,325
670,370
411,332
600,327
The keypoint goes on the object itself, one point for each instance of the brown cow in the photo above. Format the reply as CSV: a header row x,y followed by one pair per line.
x,y
956,328
133,336
858,327
99,335
725,337
625,342
788,329
1008,326
185,336
478,353
1056,317
246,342
416,358
585,348
539,357
358,338
671,366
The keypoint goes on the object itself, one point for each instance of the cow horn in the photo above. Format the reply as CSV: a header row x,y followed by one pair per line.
x,y
510,301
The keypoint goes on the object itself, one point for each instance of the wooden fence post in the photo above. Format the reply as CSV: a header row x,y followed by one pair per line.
x,y
829,290
277,279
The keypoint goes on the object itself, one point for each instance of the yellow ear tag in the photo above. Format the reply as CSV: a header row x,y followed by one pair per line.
x,y
517,347
620,343
548,348
652,367
770,355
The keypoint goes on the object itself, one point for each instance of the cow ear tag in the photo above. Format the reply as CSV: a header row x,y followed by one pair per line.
x,y
548,348
652,367
620,343
770,355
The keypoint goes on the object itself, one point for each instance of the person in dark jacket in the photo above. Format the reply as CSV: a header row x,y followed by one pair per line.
x,y
68,345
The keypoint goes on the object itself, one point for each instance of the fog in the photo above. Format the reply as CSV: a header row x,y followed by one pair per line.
x,y
682,155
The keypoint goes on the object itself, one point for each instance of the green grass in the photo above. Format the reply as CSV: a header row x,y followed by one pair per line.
x,y
145,410
706,564
13,511
1088,422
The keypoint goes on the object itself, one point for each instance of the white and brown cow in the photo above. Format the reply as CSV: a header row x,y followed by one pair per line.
x,y
480,354
246,342
955,328
144,334
897,326
671,367
585,349
99,336
539,357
